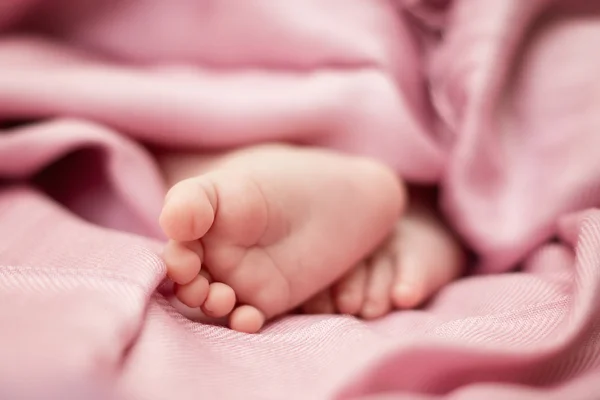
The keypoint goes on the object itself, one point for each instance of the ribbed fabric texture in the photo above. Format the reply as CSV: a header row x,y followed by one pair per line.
x,y
495,101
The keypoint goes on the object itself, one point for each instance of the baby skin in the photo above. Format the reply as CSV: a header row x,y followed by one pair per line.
x,y
260,231
413,263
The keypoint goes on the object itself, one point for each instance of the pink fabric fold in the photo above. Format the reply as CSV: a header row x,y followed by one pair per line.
x,y
494,101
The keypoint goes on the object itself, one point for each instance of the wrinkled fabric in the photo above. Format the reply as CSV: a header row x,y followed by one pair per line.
x,y
494,101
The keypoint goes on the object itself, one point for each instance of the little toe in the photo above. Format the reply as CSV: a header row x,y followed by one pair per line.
x,y
220,300
183,261
193,294
321,303
350,290
246,319
189,209
378,291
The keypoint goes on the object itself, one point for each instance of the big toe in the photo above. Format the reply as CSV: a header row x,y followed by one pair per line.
x,y
189,209
427,262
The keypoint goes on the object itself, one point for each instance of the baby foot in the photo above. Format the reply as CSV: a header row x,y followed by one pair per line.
x,y
419,258
272,225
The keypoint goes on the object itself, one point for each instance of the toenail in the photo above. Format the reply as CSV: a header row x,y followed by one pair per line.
x,y
407,295
404,291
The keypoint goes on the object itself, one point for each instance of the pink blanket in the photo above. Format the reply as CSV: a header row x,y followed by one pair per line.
x,y
497,101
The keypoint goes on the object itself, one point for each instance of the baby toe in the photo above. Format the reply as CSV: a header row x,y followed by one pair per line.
x,y
193,294
350,290
378,291
188,212
183,261
246,319
429,259
220,300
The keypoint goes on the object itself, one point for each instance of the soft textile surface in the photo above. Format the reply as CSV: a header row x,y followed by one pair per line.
x,y
497,101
